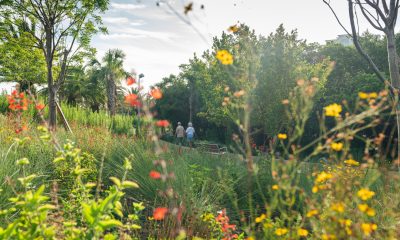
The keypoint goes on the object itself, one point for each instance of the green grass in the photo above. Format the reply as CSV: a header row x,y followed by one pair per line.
x,y
203,182
78,116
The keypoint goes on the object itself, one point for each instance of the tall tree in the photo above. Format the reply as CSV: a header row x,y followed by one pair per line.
x,y
61,28
113,70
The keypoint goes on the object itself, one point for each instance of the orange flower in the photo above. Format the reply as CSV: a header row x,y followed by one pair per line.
x,y
162,123
156,93
154,174
131,99
130,80
159,213
40,106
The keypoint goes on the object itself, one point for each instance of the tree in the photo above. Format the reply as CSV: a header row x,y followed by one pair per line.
x,y
113,71
19,60
61,29
382,16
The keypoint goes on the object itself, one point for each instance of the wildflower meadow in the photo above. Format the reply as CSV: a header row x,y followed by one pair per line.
x,y
255,136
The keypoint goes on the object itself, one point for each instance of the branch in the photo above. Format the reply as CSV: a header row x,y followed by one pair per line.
x,y
364,11
362,52
337,18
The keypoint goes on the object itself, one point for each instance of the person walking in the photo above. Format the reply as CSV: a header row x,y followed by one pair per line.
x,y
180,134
190,134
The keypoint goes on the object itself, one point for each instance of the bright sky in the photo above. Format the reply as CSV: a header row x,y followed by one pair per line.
x,y
156,41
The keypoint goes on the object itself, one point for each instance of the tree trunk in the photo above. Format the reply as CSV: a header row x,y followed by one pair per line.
x,y
111,96
191,106
394,77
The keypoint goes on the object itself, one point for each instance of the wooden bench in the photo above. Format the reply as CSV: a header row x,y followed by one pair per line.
x,y
212,148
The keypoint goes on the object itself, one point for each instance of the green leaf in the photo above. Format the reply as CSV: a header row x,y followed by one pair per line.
x,y
110,223
129,184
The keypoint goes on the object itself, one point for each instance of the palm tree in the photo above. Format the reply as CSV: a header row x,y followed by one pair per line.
x,y
113,71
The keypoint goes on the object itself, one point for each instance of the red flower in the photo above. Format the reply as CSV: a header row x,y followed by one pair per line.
x,y
131,99
155,175
162,123
130,80
156,93
159,213
40,106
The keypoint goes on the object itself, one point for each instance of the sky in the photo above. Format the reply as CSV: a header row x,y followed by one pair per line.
x,y
156,41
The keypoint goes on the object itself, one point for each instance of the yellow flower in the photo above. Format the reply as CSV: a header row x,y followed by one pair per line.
x,y
312,213
275,187
233,28
365,194
363,95
302,232
261,218
337,146
224,57
315,189
333,110
368,228
281,231
365,208
323,176
352,162
328,237
250,238
338,207
282,136
345,222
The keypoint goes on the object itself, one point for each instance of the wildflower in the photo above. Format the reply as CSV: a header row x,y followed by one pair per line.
x,y
312,213
338,207
159,213
366,209
323,176
162,123
285,102
154,174
368,228
282,136
302,232
250,238
156,93
363,95
131,99
315,189
239,93
365,194
224,57
337,146
333,110
275,187
233,28
130,80
345,222
281,231
261,218
373,95
40,106
351,162
328,237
